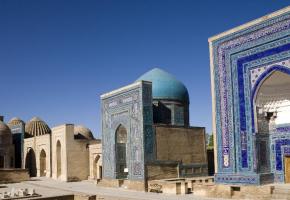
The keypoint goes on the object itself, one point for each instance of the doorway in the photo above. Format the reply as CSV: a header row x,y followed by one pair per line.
x,y
58,159
96,167
287,169
1,161
271,110
30,163
42,162
121,146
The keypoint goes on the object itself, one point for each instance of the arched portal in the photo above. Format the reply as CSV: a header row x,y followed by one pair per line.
x,y
272,110
30,163
58,158
121,146
42,163
1,161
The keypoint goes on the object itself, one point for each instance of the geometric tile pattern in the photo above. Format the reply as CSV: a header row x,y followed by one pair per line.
x,y
240,61
130,107
255,73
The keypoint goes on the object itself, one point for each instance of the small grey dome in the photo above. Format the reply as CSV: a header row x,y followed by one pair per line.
x,y
15,121
5,135
4,129
36,127
81,132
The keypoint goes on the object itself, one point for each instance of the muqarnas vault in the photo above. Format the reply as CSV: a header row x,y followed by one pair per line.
x,y
146,133
250,71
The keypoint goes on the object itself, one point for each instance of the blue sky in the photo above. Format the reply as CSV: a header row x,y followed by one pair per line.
x,y
58,56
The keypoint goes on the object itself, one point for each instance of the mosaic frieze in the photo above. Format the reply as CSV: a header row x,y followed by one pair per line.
x,y
255,73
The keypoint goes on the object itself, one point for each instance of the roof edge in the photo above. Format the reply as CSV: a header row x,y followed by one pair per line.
x,y
125,88
249,24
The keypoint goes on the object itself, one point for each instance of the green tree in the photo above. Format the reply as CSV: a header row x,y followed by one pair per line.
x,y
210,141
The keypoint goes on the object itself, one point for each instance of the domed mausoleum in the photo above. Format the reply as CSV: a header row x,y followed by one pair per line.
x,y
52,152
146,133
170,98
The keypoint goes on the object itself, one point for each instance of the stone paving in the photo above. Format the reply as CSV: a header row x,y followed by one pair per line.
x,y
49,187
39,189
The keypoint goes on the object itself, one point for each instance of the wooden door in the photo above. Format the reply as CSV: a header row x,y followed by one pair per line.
x,y
287,169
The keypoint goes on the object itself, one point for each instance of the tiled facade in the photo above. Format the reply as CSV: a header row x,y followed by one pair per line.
x,y
240,60
146,133
130,107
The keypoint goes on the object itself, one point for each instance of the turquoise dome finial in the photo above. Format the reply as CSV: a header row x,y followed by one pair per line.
x,y
165,85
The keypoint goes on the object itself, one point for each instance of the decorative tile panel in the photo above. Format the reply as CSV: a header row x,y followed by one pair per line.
x,y
128,106
240,60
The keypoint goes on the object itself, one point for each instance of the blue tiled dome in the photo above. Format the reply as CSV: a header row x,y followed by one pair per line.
x,y
165,86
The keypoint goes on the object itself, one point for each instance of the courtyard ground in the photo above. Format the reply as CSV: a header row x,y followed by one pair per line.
x,y
49,187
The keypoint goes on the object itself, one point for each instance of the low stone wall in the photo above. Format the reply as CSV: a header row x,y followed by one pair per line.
x,y
193,170
127,184
13,175
168,186
109,183
232,191
157,171
134,185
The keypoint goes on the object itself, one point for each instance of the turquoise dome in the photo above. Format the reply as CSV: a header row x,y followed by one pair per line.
x,y
165,86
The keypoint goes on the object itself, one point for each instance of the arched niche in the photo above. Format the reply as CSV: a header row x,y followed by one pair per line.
x,y
121,154
271,103
97,168
42,163
30,163
58,159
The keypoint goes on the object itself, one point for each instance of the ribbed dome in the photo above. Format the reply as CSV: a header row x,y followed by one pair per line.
x,y
15,121
4,129
81,132
165,86
37,127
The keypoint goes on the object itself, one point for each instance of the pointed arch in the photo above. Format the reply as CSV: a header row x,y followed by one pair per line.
x,y
96,167
121,134
30,163
42,162
266,74
121,154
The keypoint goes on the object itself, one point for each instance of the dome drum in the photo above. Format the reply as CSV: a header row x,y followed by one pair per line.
x,y
170,98
15,121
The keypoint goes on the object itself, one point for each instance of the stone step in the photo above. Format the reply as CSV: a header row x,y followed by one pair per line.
x,y
280,196
257,197
281,191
